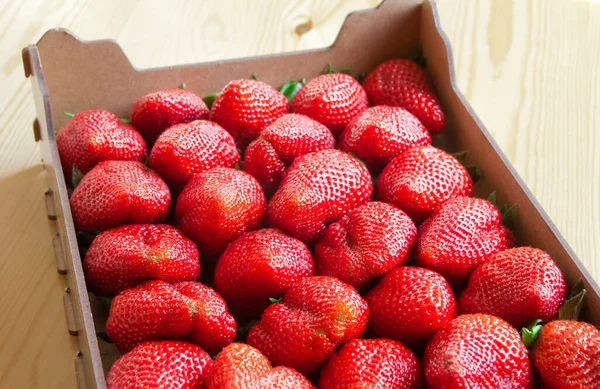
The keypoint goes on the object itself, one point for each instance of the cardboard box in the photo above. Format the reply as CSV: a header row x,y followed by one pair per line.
x,y
68,74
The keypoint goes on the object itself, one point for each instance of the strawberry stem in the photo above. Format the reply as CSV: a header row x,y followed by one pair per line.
x,y
530,333
183,86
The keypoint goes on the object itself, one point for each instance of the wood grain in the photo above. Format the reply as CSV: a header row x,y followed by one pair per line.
x,y
529,68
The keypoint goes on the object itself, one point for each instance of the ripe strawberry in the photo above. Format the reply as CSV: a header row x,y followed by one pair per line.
x,y
284,140
567,355
421,179
317,315
217,206
518,285
372,363
91,137
410,304
402,83
119,192
332,99
240,366
477,351
258,266
318,189
156,310
154,113
368,242
160,365
124,256
381,133
245,107
464,233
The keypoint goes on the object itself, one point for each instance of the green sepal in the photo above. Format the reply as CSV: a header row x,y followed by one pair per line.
x,y
209,100
76,176
571,309
330,69
530,333
274,300
246,328
183,86
507,212
461,156
106,301
361,77
104,336
419,58
290,88
254,77
125,120
69,114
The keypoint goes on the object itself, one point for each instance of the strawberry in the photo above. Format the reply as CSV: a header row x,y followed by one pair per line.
x,y
240,366
119,192
245,107
410,304
518,285
368,242
421,179
372,363
567,355
316,315
160,365
287,138
402,83
477,351
464,233
156,310
91,137
155,112
258,266
381,133
124,256
217,206
318,189
332,99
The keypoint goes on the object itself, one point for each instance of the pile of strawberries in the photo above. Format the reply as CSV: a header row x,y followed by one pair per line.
x,y
246,251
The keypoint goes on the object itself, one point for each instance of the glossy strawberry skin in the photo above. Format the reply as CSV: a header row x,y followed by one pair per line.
x,y
421,179
217,206
287,138
160,365
124,256
245,107
318,189
260,265
119,192
240,366
371,240
381,133
316,315
567,355
402,83
156,310
372,363
461,235
332,99
91,137
477,351
519,285
155,112
410,304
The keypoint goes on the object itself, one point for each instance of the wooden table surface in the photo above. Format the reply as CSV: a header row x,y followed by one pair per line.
x,y
529,69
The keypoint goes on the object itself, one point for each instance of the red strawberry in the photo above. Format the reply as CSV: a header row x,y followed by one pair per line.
x,y
368,242
381,133
518,285
245,107
477,351
410,304
567,355
318,189
317,315
332,99
119,192
287,138
240,366
464,233
217,206
260,265
154,113
91,137
158,310
160,365
372,363
402,83
122,257
421,179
